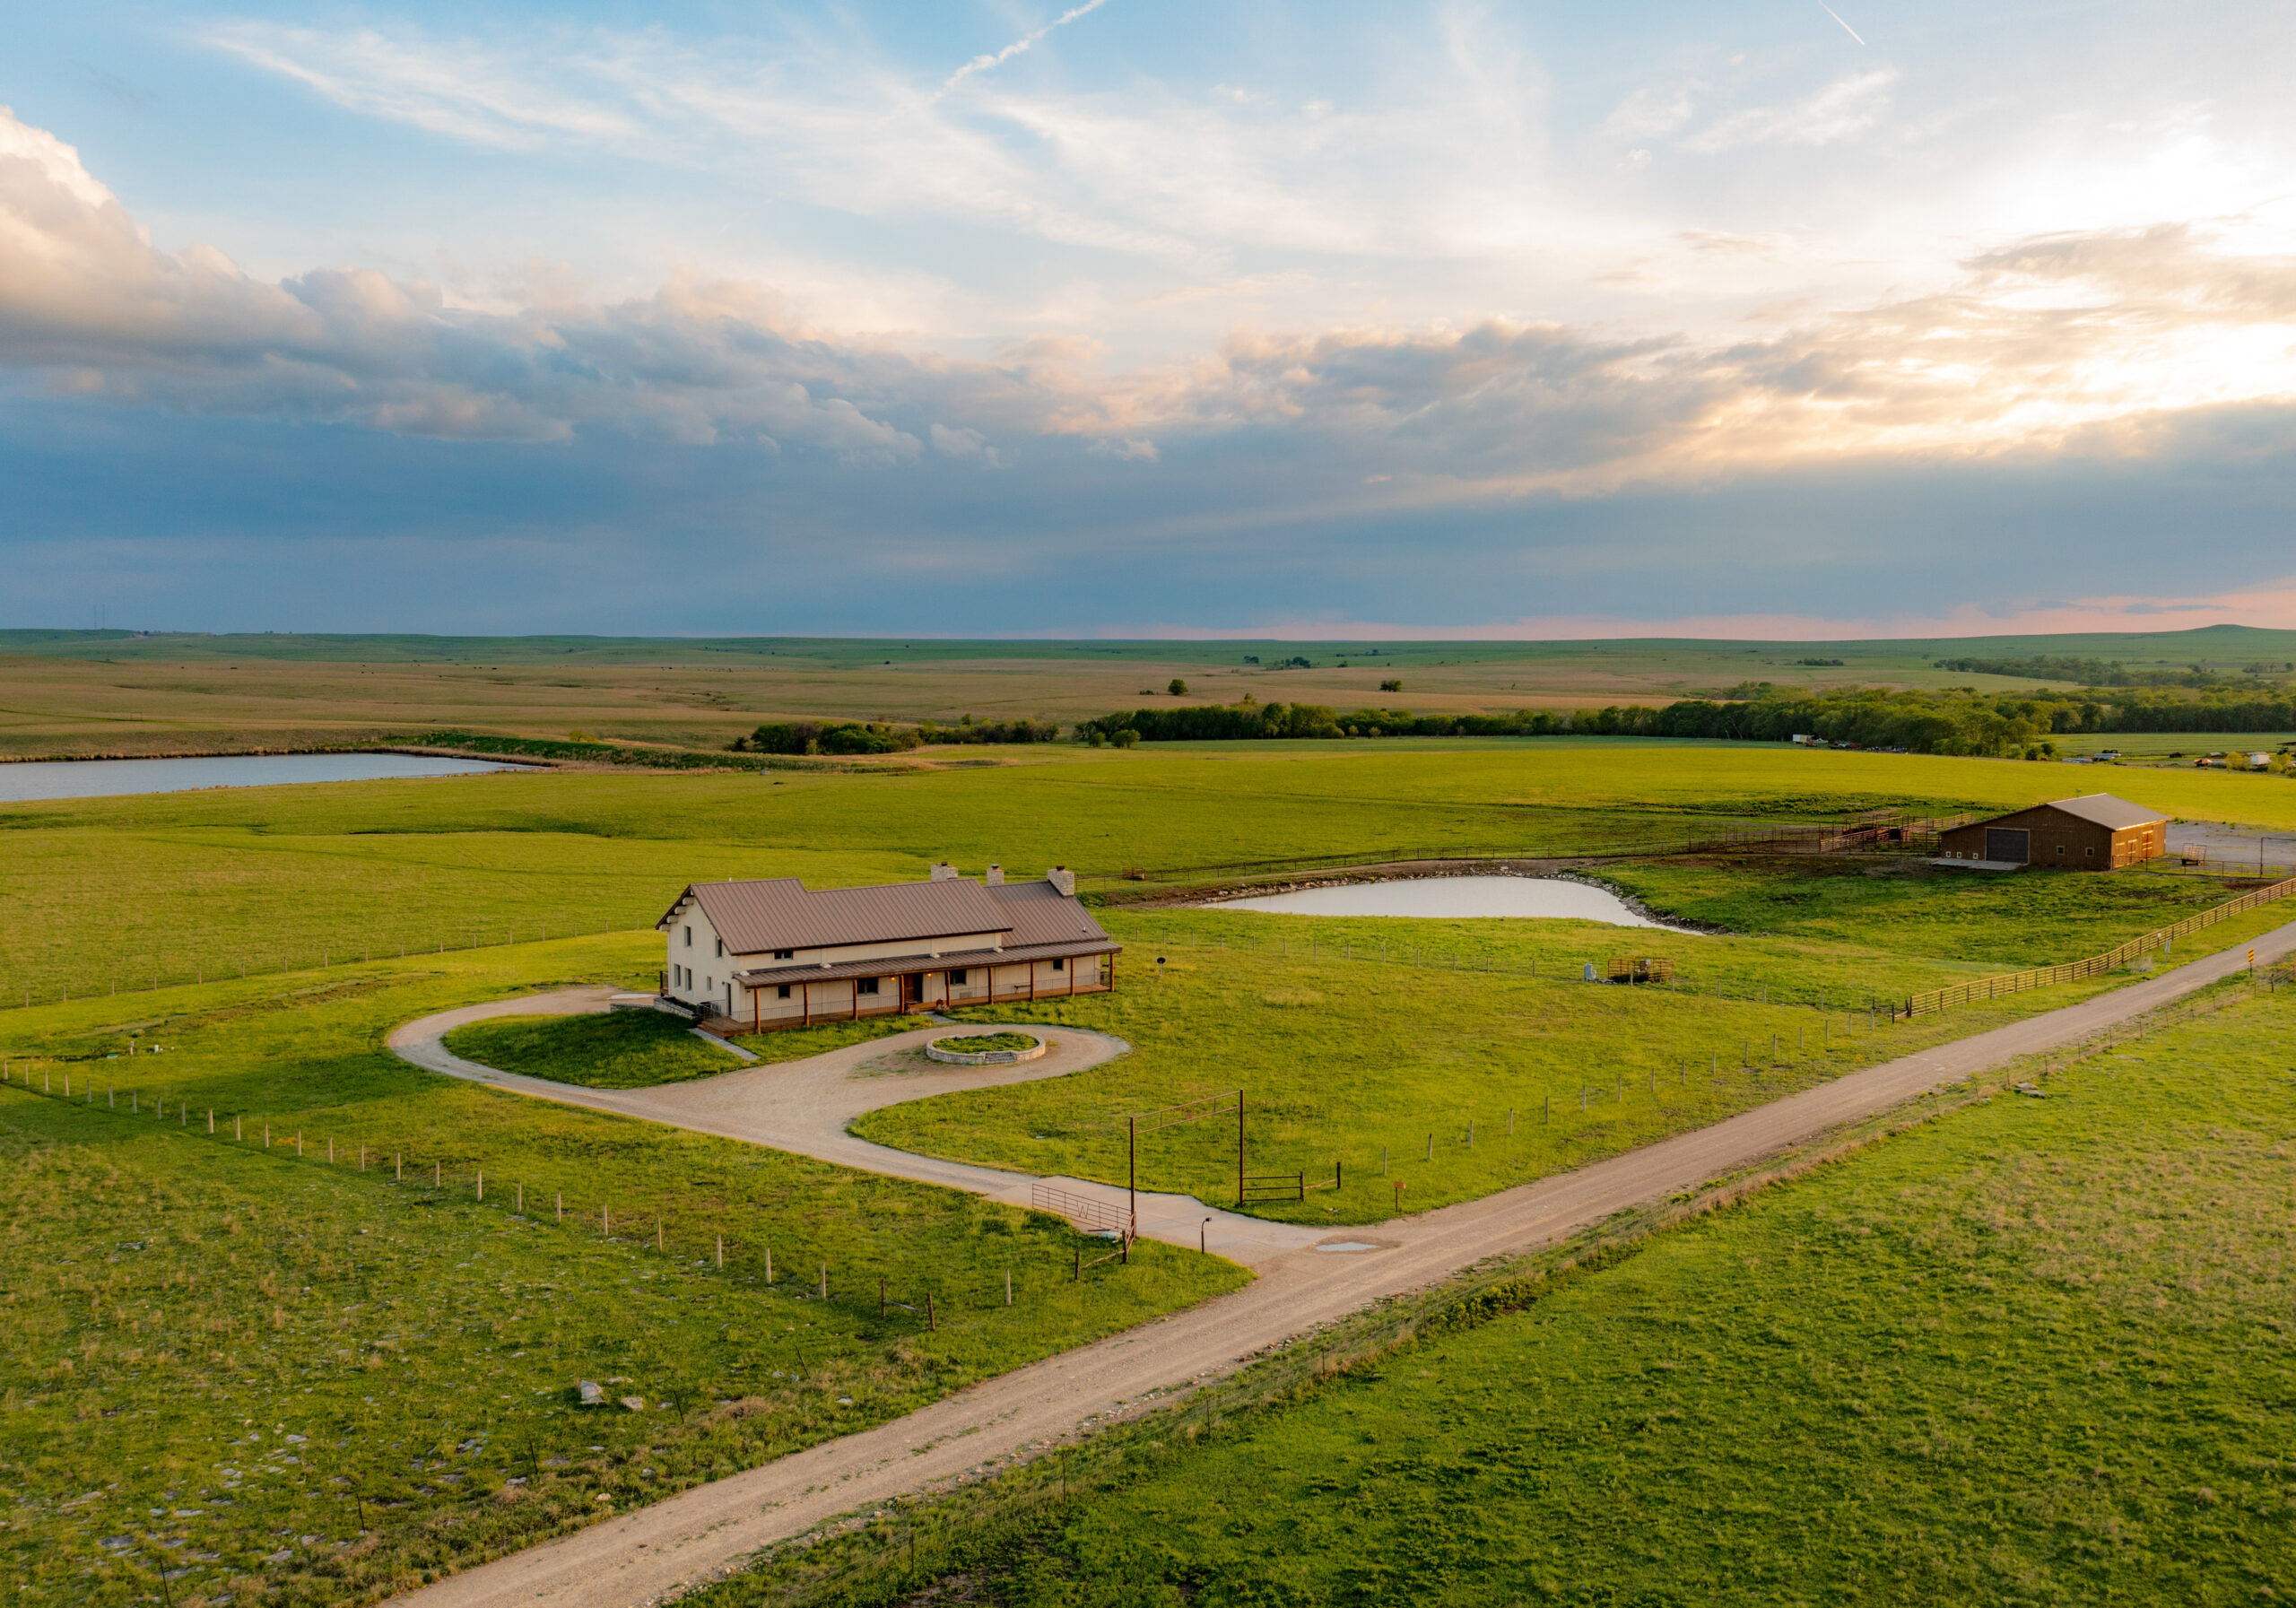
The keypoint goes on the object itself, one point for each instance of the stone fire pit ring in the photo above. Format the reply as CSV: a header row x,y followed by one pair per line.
x,y
946,1048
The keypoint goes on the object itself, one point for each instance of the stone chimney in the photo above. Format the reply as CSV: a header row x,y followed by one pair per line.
x,y
943,872
995,878
1063,881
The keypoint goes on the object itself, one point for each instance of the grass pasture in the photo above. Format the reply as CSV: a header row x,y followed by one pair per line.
x,y
170,1293
97,894
1911,908
1421,1057
2033,1351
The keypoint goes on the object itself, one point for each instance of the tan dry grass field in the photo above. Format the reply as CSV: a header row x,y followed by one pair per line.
x,y
85,693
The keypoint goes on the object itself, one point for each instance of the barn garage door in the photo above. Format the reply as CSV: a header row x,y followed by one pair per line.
x,y
2011,843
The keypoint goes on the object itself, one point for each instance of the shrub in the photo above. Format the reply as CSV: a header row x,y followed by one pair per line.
x,y
991,731
796,737
1395,686
845,737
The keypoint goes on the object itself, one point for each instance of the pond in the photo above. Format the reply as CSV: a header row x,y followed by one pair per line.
x,y
105,778
1520,898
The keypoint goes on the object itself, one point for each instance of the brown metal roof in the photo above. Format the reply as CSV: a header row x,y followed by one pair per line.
x,y
912,965
2116,814
1040,913
758,917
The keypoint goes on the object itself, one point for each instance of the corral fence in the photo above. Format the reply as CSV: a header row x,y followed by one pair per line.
x,y
1874,831
2071,971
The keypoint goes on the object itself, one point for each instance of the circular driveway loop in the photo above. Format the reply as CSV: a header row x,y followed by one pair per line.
x,y
805,1107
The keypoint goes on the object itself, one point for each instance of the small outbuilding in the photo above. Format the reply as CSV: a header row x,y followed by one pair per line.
x,y
2094,832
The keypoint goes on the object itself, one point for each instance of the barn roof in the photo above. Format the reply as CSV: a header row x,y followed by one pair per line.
x,y
2117,814
757,917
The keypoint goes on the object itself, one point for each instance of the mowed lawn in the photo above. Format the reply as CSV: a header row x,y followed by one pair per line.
x,y
2036,1352
323,1267
641,1049
101,893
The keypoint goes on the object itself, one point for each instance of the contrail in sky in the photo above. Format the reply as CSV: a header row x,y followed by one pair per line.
x,y
982,64
1023,45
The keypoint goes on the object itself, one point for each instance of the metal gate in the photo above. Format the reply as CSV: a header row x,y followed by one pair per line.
x,y
2010,843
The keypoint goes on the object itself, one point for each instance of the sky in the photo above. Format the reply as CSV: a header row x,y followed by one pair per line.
x,y
1136,318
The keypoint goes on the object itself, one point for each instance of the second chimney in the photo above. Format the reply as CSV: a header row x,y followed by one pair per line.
x,y
943,872
1063,881
995,878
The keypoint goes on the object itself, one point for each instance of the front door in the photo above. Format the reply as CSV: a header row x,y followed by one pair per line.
x,y
912,990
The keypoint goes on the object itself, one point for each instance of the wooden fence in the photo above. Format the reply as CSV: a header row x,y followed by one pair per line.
x,y
2040,977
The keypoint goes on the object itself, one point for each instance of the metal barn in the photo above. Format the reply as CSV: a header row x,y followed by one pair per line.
x,y
2094,832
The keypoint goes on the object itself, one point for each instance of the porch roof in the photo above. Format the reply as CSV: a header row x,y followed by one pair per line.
x,y
917,965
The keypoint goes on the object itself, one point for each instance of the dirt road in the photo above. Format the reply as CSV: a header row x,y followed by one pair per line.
x,y
645,1556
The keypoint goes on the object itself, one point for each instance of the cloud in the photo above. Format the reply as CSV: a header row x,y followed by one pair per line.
x,y
470,94
2070,343
1843,110
995,59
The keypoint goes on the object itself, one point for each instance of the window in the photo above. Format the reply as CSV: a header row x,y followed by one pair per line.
x,y
721,949
785,954
957,978
688,937
867,985
2060,848
782,992
1058,964
2092,853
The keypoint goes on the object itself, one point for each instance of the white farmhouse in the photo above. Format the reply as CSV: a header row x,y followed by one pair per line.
x,y
768,953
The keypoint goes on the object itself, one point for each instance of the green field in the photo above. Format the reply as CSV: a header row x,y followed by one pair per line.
x,y
1473,1057
2036,1351
97,894
170,1294
1913,908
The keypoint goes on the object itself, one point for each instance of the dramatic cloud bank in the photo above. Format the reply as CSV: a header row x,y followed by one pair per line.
x,y
1450,327
2082,340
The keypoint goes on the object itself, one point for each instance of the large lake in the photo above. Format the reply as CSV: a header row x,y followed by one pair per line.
x,y
103,779
1534,899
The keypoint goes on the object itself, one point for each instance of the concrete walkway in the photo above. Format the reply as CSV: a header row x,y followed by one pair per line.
x,y
806,1105
651,1554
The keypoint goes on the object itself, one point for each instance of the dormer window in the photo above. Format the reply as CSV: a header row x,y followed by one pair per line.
x,y
785,954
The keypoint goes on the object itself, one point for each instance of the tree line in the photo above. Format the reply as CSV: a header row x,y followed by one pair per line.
x,y
1954,721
